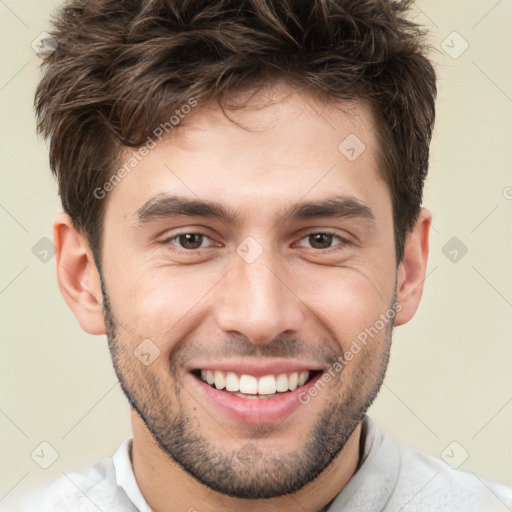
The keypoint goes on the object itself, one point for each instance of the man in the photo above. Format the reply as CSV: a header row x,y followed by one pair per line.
x,y
242,186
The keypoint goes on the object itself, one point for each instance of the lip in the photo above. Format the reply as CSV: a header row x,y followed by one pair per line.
x,y
252,411
257,368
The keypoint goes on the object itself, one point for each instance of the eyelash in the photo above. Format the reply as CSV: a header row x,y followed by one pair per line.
x,y
168,241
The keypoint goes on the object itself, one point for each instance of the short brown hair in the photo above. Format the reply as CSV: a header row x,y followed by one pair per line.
x,y
121,67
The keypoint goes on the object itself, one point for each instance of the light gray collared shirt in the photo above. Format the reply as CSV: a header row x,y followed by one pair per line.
x,y
391,477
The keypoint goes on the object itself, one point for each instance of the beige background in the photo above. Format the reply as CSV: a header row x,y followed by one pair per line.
x,y
450,374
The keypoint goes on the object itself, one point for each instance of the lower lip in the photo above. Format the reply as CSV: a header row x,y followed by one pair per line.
x,y
254,411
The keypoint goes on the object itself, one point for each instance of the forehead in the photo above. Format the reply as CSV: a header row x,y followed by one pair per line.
x,y
279,147
278,122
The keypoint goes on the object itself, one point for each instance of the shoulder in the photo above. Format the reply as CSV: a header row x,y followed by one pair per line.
x,y
90,489
425,480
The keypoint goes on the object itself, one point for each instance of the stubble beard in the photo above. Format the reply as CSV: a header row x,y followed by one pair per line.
x,y
250,472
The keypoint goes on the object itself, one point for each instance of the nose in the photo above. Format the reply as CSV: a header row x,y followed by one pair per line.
x,y
258,301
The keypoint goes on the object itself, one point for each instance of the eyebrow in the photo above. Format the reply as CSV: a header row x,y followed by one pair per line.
x,y
332,207
164,206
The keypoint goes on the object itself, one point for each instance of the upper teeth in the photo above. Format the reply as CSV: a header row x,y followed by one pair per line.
x,y
266,385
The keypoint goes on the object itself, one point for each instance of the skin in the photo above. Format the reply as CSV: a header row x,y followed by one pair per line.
x,y
297,301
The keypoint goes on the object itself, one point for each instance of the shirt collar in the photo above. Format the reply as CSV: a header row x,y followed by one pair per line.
x,y
125,478
373,483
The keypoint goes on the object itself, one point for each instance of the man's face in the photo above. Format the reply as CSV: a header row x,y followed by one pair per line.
x,y
278,289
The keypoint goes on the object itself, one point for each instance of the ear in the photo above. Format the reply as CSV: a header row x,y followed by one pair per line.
x,y
412,269
77,275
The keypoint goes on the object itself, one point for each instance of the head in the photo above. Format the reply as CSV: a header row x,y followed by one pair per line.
x,y
242,187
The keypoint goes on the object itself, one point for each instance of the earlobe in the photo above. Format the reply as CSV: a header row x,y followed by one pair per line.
x,y
412,269
77,275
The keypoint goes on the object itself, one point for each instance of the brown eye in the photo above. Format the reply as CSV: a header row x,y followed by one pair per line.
x,y
322,240
191,240
188,241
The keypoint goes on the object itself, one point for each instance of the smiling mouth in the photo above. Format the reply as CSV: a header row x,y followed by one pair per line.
x,y
252,387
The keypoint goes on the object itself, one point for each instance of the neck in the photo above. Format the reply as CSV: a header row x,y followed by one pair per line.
x,y
168,488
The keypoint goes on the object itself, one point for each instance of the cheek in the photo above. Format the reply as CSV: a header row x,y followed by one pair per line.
x,y
348,303
161,303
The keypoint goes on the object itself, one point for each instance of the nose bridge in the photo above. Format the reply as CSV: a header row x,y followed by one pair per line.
x,y
257,301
